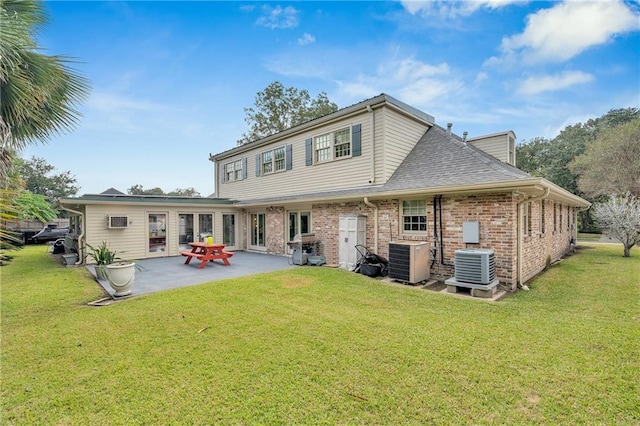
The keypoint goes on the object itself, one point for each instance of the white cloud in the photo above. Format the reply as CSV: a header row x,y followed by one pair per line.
x,y
278,17
306,39
547,83
481,76
452,9
411,80
567,29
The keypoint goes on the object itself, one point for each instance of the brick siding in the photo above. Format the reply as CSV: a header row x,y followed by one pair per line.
x,y
495,213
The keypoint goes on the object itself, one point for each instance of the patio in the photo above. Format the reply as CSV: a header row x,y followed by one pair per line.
x,y
170,272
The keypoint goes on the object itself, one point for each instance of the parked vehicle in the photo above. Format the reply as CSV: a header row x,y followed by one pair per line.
x,y
50,232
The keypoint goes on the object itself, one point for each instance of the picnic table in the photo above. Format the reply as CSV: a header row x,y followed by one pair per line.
x,y
206,253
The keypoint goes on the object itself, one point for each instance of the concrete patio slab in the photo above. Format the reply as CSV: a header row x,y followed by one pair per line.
x,y
170,272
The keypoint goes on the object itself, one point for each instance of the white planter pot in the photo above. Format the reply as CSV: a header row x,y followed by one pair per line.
x,y
121,277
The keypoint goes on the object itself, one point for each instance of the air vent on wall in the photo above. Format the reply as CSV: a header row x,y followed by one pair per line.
x,y
117,222
476,266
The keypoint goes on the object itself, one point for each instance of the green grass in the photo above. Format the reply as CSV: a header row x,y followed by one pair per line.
x,y
319,345
585,237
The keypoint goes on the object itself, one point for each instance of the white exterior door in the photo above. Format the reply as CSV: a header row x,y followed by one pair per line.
x,y
352,231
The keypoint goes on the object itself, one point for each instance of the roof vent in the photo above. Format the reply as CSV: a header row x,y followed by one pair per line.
x,y
464,136
449,126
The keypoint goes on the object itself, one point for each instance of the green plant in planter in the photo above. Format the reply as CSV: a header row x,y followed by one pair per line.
x,y
103,256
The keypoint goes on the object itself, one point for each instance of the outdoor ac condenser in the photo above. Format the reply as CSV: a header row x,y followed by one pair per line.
x,y
475,266
409,261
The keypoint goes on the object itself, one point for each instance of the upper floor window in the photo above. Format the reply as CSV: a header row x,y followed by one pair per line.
x,y
342,143
414,215
273,161
334,145
233,171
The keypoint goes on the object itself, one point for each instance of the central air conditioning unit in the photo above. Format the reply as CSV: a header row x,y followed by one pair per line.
x,y
475,266
409,261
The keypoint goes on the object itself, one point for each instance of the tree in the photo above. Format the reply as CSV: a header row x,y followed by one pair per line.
x,y
139,190
186,192
39,92
620,218
533,156
278,108
39,179
17,203
551,159
611,164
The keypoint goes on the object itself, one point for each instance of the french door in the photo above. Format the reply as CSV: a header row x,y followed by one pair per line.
x,y
258,230
193,227
157,239
229,229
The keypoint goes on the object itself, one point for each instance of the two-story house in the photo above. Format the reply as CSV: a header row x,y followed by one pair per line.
x,y
376,172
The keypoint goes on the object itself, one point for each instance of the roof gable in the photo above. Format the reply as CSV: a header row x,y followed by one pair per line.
x,y
443,159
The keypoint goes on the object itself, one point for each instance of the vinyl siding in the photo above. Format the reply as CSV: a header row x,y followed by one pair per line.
x,y
131,243
395,136
496,146
302,179
400,135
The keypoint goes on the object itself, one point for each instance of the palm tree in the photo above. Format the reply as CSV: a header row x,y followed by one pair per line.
x,y
38,93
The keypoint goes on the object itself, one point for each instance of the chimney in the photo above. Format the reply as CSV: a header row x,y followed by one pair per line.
x,y
449,126
464,136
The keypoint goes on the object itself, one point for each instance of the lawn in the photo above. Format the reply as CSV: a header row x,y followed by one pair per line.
x,y
323,346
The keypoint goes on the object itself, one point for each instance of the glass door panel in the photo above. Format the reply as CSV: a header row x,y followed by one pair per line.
x,y
185,231
205,226
229,229
258,236
157,233
299,223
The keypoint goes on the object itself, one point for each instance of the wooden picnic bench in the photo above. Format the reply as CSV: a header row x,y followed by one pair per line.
x,y
206,253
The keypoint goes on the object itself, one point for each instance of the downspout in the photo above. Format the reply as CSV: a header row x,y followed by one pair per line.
x,y
373,145
544,195
81,247
375,223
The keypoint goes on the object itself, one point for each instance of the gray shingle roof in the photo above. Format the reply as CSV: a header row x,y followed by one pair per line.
x,y
441,159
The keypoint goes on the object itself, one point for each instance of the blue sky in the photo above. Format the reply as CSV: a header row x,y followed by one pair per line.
x,y
170,79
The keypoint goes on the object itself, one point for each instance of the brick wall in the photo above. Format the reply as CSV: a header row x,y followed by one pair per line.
x,y
546,240
495,213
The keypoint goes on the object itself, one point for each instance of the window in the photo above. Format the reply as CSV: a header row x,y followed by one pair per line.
x,y
273,160
267,162
555,217
333,145
414,215
237,167
342,144
233,171
323,147
543,220
527,219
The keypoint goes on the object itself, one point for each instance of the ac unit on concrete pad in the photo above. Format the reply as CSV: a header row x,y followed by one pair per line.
x,y
409,261
475,266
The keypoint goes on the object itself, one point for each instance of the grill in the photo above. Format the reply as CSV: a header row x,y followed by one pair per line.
x,y
303,245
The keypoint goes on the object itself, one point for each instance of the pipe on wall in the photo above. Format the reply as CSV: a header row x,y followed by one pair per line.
x,y
375,223
373,144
